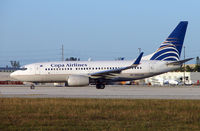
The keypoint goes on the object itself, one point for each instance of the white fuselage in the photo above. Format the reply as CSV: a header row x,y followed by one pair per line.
x,y
60,71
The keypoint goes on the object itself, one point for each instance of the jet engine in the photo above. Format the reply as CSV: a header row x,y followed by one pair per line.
x,y
78,80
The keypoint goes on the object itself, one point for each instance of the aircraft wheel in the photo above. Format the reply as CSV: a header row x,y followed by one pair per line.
x,y
100,86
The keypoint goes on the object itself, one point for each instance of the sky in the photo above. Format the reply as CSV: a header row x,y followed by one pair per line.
x,y
34,30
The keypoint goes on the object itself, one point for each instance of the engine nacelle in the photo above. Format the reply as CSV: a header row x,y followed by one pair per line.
x,y
78,80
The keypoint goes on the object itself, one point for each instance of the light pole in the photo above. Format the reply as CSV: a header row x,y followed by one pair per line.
x,y
139,50
62,53
184,68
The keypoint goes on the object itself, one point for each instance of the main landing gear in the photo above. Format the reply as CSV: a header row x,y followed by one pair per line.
x,y
100,86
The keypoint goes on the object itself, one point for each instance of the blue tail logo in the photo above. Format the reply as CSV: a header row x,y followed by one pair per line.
x,y
170,49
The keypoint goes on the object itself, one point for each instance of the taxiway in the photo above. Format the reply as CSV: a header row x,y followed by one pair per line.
x,y
114,92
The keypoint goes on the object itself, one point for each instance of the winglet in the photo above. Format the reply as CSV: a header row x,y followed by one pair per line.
x,y
137,61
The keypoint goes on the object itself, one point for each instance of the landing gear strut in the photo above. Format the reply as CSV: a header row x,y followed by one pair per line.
x,y
100,86
32,86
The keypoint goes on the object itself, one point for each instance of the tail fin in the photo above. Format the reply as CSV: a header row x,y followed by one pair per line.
x,y
170,49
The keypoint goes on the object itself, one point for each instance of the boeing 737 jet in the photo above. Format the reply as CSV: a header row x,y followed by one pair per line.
x,y
82,73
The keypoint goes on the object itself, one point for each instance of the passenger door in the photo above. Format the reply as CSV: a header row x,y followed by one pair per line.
x,y
37,69
152,67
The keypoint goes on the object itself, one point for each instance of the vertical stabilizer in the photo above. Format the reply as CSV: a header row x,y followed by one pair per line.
x,y
170,49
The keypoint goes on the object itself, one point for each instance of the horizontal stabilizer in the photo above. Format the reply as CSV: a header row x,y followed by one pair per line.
x,y
180,62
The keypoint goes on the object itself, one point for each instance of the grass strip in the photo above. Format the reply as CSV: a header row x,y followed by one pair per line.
x,y
99,114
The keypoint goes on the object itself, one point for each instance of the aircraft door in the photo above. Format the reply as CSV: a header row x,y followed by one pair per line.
x,y
37,70
152,67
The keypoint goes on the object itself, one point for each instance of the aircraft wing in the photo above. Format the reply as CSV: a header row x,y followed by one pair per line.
x,y
117,71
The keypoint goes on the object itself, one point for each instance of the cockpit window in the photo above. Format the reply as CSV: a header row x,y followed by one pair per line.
x,y
23,68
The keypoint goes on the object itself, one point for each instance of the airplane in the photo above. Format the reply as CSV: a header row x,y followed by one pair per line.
x,y
82,73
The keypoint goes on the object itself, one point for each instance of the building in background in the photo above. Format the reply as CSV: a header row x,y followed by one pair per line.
x,y
174,78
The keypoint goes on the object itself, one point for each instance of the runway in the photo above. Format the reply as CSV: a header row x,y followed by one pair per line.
x,y
114,92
